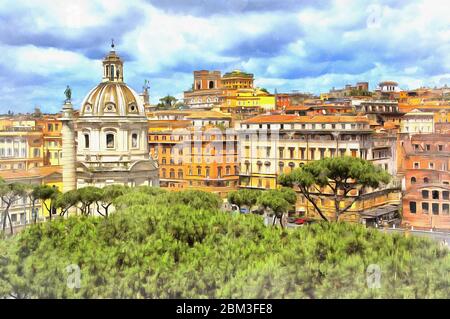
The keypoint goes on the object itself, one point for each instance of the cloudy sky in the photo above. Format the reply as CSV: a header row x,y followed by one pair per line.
x,y
290,45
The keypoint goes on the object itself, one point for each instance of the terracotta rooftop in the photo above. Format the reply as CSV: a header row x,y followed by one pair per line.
x,y
297,108
306,119
36,172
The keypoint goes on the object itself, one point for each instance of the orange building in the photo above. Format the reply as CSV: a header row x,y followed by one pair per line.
x,y
424,162
51,129
206,92
194,149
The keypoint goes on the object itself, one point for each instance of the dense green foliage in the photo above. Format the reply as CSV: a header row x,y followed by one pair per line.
x,y
244,197
155,246
340,176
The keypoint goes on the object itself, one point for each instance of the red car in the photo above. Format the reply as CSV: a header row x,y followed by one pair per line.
x,y
300,221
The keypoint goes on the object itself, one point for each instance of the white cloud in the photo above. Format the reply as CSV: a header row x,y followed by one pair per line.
x,y
307,48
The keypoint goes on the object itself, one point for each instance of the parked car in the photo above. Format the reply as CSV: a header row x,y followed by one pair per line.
x,y
244,210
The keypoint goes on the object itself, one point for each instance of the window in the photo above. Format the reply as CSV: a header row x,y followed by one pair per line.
x,y
445,209
413,180
425,208
435,194
425,194
180,174
445,195
412,207
441,148
332,152
435,208
431,165
109,140
426,180
428,147
86,140
134,140
302,153
50,127
416,165
199,170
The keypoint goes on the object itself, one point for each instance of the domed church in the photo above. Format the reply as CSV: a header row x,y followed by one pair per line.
x,y
112,134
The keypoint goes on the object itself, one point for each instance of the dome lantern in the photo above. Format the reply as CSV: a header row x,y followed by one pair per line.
x,y
112,67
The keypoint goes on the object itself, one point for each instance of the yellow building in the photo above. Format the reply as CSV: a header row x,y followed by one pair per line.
x,y
266,100
21,146
237,80
275,144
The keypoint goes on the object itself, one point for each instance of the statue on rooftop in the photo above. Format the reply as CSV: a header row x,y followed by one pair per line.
x,y
68,93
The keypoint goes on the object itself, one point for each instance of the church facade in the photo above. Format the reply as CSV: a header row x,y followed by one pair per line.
x,y
111,132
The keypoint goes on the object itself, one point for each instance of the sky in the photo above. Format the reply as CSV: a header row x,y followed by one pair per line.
x,y
303,45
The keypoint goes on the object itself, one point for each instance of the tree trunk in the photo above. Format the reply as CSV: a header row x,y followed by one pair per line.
x,y
10,223
48,209
5,214
33,207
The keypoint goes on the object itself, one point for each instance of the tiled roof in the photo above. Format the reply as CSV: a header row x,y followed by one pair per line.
x,y
306,119
297,108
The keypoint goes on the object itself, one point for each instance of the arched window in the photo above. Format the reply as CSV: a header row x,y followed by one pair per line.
x,y
86,140
111,73
180,174
413,180
134,140
172,173
211,84
426,180
109,140
163,173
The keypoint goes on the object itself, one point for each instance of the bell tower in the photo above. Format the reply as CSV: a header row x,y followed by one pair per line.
x,y
112,66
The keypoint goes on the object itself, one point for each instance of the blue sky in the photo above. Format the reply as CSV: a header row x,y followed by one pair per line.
x,y
289,45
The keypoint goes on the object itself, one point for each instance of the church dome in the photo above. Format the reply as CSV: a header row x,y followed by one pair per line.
x,y
112,97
